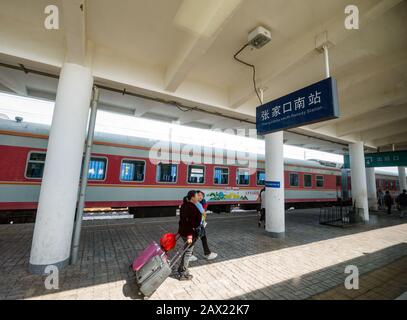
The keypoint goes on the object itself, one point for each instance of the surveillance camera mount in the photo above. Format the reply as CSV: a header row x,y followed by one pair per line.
x,y
257,38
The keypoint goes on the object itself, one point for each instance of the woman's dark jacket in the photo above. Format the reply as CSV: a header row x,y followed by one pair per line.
x,y
190,218
388,200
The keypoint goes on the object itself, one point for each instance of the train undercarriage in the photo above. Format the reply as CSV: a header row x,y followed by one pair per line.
x,y
28,215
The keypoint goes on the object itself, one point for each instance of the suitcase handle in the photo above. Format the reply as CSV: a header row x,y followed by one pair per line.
x,y
180,253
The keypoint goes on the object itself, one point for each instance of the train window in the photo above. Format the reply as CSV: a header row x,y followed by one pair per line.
x,y
261,178
307,180
294,179
132,170
196,174
320,181
35,165
221,176
97,168
243,177
167,172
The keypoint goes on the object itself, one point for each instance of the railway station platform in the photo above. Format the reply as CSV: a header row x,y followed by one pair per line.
x,y
309,263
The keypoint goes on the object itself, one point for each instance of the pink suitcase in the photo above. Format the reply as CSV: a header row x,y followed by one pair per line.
x,y
151,251
153,266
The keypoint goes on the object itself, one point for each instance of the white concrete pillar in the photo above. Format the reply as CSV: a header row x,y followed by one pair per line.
x,y
59,189
358,177
275,213
371,188
402,178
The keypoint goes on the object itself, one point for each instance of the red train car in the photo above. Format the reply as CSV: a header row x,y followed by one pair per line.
x,y
126,172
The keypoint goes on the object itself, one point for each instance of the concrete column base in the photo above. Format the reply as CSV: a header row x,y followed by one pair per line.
x,y
40,269
276,235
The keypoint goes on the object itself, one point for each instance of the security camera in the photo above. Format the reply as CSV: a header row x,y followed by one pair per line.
x,y
259,37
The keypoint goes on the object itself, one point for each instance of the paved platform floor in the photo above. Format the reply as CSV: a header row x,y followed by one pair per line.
x,y
388,282
308,263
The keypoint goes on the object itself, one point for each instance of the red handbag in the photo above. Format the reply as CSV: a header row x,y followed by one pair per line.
x,y
168,241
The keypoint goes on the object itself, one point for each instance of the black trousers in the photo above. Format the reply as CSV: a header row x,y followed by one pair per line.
x,y
204,240
388,209
263,215
205,245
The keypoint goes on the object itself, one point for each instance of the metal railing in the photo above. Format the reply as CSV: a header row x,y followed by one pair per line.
x,y
340,216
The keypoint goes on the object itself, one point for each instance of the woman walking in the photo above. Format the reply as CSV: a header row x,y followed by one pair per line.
x,y
202,205
190,219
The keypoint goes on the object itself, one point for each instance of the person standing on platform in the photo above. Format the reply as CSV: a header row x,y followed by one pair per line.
x,y
380,198
262,198
388,201
402,202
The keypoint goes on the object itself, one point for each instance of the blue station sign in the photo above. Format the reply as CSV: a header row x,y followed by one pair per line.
x,y
315,103
272,184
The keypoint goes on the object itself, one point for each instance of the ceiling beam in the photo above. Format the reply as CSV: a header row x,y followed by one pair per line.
x,y
75,30
140,110
8,80
327,135
389,95
222,124
203,20
385,131
115,109
362,71
189,116
373,119
291,55
400,138
389,148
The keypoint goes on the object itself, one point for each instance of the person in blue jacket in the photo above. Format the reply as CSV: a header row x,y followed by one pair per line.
x,y
202,205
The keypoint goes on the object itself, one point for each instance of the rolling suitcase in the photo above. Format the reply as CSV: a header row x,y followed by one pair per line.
x,y
152,267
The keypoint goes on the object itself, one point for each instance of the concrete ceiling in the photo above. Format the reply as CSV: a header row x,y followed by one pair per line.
x,y
182,51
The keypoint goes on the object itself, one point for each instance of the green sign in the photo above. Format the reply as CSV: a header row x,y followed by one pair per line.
x,y
381,159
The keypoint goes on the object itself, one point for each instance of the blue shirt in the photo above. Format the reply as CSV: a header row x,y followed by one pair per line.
x,y
200,207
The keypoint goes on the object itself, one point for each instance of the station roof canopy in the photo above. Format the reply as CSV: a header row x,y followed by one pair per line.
x,y
181,52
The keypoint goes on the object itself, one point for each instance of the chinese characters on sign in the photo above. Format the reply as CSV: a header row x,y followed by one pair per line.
x,y
382,159
314,103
